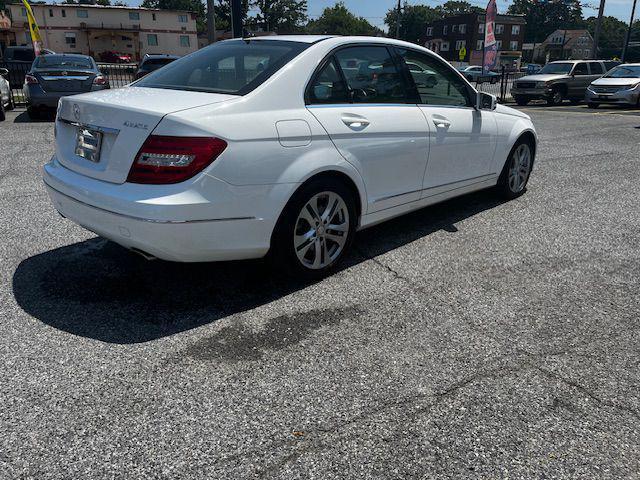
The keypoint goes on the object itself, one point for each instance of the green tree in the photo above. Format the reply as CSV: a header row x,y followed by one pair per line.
x,y
543,18
412,21
286,16
457,7
195,6
612,36
338,20
223,14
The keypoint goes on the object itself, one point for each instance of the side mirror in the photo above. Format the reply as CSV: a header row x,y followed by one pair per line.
x,y
4,72
486,101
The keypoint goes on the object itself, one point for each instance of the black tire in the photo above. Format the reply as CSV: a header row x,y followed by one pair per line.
x,y
283,254
593,105
522,101
556,98
11,105
503,187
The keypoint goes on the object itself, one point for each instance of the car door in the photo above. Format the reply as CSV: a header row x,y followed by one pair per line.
x,y
462,139
580,80
359,95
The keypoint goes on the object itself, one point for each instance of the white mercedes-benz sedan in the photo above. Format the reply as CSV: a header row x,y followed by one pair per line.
x,y
282,145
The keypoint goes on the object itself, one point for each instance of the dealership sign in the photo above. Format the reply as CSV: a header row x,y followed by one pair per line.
x,y
490,57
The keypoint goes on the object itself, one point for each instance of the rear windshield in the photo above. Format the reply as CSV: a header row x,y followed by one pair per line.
x,y
556,68
60,61
624,71
235,67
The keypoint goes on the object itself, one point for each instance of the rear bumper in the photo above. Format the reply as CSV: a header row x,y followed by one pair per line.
x,y
629,97
185,236
37,97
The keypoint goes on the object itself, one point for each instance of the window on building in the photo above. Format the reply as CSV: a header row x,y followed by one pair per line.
x,y
499,44
454,28
372,75
152,39
445,29
51,12
24,12
82,13
479,45
586,52
184,41
70,38
513,45
183,18
460,44
134,15
499,28
481,28
444,47
515,29
429,31
463,28
27,35
435,82
153,17
64,13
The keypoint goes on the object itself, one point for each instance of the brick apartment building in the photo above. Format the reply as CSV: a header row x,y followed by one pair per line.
x,y
449,35
93,29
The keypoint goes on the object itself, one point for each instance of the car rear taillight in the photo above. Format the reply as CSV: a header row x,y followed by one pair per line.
x,y
100,80
30,79
164,159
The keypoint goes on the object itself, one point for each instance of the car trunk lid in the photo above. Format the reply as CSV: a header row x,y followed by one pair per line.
x,y
60,80
116,122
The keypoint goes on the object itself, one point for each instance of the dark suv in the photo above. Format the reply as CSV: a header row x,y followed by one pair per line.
x,y
18,61
153,62
557,81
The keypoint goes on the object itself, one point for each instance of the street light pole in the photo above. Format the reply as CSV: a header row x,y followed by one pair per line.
x,y
211,22
596,35
628,38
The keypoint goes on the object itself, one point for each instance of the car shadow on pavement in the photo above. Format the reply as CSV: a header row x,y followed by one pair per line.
x,y
45,117
99,290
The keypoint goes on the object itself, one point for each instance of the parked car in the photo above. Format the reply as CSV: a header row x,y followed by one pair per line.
x,y
620,86
54,76
422,76
474,73
17,61
151,63
115,57
532,68
217,156
6,102
557,81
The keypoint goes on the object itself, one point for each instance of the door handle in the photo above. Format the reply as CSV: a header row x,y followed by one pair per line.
x,y
355,121
441,123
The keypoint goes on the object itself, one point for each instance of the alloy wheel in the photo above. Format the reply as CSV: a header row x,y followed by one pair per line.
x,y
321,230
520,168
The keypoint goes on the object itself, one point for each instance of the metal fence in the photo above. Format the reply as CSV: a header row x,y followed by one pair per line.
x,y
502,88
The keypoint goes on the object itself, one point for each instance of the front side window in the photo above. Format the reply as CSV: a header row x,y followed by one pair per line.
x,y
596,68
437,83
82,13
581,69
235,67
556,68
371,75
328,86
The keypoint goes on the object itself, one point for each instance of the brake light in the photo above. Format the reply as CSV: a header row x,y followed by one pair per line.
x,y
100,80
30,79
164,159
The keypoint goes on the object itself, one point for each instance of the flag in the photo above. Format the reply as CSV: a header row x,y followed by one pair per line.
x,y
33,28
490,54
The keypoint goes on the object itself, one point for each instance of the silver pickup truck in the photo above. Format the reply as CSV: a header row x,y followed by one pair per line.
x,y
557,81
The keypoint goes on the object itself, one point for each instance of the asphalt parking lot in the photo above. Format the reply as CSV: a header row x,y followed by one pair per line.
x,y
473,339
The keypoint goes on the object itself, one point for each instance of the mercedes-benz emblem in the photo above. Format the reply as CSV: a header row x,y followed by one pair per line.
x,y
76,111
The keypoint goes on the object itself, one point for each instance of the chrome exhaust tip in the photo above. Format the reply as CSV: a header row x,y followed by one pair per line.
x,y
143,254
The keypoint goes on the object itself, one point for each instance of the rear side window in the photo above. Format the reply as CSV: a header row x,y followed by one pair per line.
x,y
328,86
234,67
437,84
372,75
596,68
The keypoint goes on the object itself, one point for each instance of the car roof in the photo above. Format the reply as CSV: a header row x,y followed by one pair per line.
x,y
68,55
291,38
160,55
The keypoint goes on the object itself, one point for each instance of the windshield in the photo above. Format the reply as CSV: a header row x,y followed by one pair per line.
x,y
60,61
556,68
235,67
624,71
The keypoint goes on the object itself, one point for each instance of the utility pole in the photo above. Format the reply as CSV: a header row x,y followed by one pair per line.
x,y
398,20
626,41
236,18
211,22
596,36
